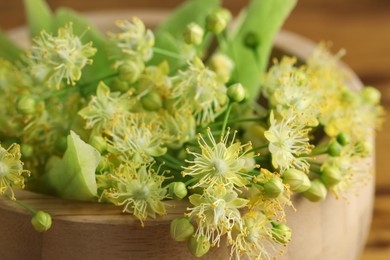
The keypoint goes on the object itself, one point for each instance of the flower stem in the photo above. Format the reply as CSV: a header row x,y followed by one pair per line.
x,y
257,148
167,53
229,108
254,119
21,204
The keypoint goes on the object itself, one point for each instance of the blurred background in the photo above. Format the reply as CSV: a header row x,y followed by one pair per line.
x,y
362,27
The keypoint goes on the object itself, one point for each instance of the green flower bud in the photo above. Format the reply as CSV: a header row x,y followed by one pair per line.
x,y
193,34
330,176
120,85
217,21
273,188
26,150
251,40
130,71
181,229
152,101
334,148
317,191
297,180
198,246
343,139
178,190
41,221
371,95
26,105
281,233
99,142
363,148
61,143
236,92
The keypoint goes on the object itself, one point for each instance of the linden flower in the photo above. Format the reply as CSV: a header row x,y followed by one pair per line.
x,y
105,108
355,170
54,58
133,41
254,238
180,127
199,89
217,211
269,199
139,191
287,140
135,138
218,163
11,169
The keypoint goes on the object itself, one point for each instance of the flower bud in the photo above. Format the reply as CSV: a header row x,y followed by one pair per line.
x,y
217,21
26,150
193,34
330,176
236,92
61,143
198,246
317,191
297,180
120,85
26,105
152,101
251,40
178,190
343,139
334,148
181,229
371,95
41,221
363,148
281,233
273,188
130,71
99,143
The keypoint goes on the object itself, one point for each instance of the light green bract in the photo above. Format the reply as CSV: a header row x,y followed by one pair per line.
x,y
73,176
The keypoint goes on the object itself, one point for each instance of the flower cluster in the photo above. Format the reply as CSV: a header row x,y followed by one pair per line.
x,y
171,119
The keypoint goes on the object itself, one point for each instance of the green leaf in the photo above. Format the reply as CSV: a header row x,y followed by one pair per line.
x,y
263,19
8,50
169,34
73,176
39,16
101,66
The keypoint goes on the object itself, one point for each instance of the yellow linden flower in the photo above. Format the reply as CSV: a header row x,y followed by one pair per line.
x,y
199,89
54,58
218,163
139,191
11,169
288,139
254,238
216,212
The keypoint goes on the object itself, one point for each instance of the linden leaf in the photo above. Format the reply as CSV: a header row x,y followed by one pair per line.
x,y
39,16
8,50
73,176
262,19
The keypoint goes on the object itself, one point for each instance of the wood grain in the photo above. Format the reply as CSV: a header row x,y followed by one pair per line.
x,y
362,27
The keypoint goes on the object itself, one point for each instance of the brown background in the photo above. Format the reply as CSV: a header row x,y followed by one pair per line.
x,y
362,27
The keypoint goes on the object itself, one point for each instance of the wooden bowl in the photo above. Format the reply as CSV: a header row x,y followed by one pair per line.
x,y
333,229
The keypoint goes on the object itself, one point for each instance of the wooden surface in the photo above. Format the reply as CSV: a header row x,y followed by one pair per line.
x,y
362,27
